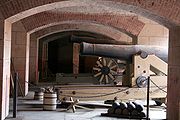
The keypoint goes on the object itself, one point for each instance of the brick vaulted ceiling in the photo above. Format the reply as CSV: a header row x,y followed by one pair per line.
x,y
78,26
164,11
127,24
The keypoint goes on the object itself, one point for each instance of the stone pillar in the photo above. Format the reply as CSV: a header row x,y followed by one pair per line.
x,y
40,46
173,96
33,60
20,55
76,47
1,67
44,59
5,54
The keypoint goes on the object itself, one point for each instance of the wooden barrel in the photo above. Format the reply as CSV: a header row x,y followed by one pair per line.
x,y
38,95
49,102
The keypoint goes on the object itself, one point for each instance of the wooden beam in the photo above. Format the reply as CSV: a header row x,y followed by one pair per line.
x,y
76,48
106,93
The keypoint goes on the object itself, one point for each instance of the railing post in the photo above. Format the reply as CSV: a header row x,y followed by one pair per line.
x,y
148,86
15,92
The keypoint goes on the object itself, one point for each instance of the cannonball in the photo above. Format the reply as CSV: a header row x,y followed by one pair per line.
x,y
118,111
115,105
126,112
123,105
111,110
139,107
130,106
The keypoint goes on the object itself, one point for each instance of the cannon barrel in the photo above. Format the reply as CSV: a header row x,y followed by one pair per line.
x,y
124,52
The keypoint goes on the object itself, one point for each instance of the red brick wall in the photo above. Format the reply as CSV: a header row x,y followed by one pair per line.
x,y
168,9
18,51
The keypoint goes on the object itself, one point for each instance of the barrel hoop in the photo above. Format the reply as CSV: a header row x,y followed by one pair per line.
x,y
39,93
49,104
50,97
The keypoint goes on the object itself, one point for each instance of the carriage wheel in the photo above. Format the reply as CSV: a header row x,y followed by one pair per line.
x,y
105,70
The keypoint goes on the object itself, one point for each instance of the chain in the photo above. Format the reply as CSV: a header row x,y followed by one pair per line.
x,y
158,86
95,96
101,95
32,84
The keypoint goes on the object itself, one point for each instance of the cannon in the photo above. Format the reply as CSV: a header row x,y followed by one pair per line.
x,y
141,61
123,51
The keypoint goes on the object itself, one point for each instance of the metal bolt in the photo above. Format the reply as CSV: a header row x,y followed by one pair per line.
x,y
127,92
73,92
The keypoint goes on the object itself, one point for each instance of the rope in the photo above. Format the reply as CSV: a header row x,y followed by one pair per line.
x,y
158,86
32,84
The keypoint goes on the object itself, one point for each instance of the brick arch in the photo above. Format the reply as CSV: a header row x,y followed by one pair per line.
x,y
127,24
14,10
77,26
65,26
156,10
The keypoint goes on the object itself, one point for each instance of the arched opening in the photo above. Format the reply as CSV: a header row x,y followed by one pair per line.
x,y
157,13
60,61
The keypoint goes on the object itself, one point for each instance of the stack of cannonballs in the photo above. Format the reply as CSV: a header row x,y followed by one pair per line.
x,y
129,109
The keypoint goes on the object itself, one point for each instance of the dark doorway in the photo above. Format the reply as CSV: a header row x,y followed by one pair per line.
x,y
60,55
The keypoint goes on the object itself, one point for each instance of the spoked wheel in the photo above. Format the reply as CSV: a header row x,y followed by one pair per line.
x,y
105,70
